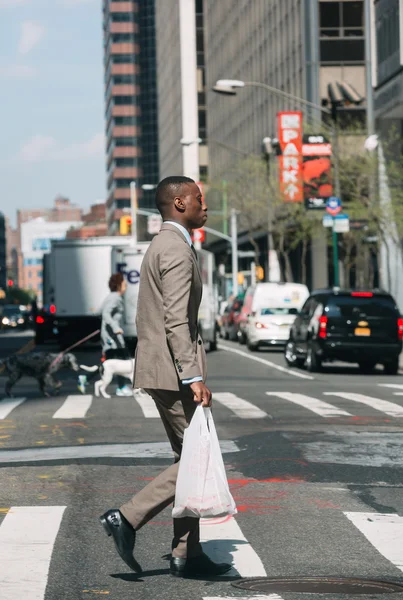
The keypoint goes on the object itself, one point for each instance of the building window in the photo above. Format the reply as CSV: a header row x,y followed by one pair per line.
x,y
125,162
119,79
125,120
125,141
122,183
120,203
121,17
121,100
123,58
341,19
388,39
342,32
118,38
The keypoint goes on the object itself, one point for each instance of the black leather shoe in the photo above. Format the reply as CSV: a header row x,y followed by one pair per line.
x,y
123,535
199,566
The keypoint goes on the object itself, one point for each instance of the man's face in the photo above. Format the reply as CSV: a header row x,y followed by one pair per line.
x,y
195,208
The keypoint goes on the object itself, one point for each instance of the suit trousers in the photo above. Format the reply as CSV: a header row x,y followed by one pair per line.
x,y
176,410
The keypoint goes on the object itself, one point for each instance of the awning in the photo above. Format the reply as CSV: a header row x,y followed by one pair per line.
x,y
342,92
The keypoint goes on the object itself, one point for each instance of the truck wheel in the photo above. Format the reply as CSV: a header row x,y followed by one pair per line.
x,y
367,367
392,367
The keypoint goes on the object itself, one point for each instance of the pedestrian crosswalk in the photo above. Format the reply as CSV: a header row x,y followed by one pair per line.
x,y
246,406
28,547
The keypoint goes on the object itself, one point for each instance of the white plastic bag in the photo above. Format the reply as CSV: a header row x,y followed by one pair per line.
x,y
202,487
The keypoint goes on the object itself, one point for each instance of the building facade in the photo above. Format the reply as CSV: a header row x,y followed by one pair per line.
x,y
181,88
94,224
3,253
311,49
130,103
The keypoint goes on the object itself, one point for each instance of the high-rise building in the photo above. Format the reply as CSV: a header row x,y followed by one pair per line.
x,y
130,103
181,88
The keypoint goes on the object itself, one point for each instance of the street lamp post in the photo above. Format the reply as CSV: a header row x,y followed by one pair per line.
x,y
230,86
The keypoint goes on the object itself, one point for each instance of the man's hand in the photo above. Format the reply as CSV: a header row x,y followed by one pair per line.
x,y
201,393
119,332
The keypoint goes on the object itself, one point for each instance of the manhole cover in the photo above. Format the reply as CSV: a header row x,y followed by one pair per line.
x,y
319,585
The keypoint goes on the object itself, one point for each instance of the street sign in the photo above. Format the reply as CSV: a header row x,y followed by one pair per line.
x,y
327,221
154,223
333,205
341,224
199,235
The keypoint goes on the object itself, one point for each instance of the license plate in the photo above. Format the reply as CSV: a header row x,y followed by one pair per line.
x,y
363,331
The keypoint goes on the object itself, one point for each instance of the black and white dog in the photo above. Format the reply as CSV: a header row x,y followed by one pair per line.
x,y
40,365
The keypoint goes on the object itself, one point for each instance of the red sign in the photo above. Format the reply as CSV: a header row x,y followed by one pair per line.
x,y
316,170
199,235
290,161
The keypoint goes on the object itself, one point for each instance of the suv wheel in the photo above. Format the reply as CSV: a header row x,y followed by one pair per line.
x,y
367,366
291,357
313,362
392,367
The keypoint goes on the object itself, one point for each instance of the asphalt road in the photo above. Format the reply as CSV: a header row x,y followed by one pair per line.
x,y
315,464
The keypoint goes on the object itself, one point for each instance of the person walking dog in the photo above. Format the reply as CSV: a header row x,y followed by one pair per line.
x,y
113,343
171,367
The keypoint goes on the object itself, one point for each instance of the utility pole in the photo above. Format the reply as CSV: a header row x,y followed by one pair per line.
x,y
225,207
234,247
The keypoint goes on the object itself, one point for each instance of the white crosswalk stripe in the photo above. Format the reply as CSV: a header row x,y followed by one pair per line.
x,y
269,597
317,406
221,538
8,404
240,407
27,537
389,408
384,531
146,404
74,407
395,386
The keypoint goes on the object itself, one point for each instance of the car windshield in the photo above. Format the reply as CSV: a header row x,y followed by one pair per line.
x,y
9,311
278,311
351,307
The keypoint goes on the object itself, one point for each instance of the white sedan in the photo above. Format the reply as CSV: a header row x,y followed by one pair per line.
x,y
269,327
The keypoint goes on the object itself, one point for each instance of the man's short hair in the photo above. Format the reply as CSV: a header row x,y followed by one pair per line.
x,y
168,189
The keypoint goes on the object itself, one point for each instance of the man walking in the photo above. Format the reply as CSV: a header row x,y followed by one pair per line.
x,y
171,367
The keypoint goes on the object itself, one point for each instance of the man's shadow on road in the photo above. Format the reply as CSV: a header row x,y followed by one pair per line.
x,y
217,550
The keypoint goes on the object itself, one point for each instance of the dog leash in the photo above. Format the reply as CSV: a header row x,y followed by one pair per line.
x,y
60,355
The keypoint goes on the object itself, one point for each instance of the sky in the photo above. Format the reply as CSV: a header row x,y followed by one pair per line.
x,y
51,106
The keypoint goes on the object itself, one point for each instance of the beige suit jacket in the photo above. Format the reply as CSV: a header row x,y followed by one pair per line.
x,y
169,348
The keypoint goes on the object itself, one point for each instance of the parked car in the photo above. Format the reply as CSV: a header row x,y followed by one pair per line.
x,y
363,327
230,318
271,296
269,327
14,317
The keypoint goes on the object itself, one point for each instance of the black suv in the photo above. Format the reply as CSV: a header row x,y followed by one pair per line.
x,y
353,326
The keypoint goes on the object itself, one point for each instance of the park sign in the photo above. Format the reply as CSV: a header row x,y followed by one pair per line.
x,y
333,206
290,160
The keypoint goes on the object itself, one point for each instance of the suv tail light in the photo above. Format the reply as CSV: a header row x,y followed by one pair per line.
x,y
323,327
362,294
40,320
52,309
400,329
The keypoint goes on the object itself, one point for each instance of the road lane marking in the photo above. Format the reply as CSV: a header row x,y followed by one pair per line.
x,y
265,362
389,408
223,541
27,537
8,404
317,406
146,404
139,450
241,408
74,407
383,531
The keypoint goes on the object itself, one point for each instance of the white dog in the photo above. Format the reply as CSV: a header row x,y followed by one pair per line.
x,y
108,369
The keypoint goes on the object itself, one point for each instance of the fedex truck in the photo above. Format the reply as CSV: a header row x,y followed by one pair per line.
x,y
127,260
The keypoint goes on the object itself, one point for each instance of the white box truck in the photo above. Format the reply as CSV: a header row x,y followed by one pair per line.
x,y
80,270
127,260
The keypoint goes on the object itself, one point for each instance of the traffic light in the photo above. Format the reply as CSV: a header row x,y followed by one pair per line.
x,y
259,273
10,283
241,278
125,225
